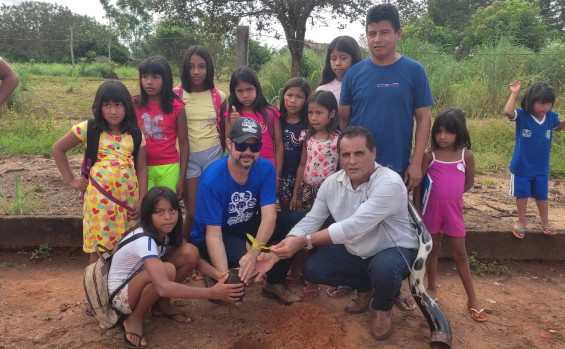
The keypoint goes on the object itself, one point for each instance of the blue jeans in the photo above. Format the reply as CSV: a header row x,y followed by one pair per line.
x,y
333,265
234,243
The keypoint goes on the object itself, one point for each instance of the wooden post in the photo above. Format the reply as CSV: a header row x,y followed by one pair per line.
x,y
72,51
242,46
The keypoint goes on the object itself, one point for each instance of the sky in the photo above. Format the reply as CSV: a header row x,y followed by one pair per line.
x,y
319,34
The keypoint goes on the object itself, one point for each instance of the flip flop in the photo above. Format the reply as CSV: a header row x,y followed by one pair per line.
x,y
405,303
549,230
339,291
127,342
476,314
518,232
173,316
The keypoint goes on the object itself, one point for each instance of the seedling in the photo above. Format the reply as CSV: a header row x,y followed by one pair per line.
x,y
261,247
44,251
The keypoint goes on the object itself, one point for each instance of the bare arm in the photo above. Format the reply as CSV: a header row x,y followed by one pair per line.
x,y
344,112
413,173
515,87
167,288
299,177
184,150
9,80
418,189
279,148
141,171
59,150
264,233
560,127
469,169
216,247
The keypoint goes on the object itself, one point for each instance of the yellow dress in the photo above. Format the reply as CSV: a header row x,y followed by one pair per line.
x,y
105,222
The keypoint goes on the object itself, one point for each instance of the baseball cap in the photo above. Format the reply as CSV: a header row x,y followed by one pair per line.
x,y
243,129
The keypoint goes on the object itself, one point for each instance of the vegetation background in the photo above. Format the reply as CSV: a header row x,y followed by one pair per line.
x,y
471,51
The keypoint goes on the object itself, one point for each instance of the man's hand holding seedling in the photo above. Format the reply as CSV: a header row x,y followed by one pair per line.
x,y
289,246
248,261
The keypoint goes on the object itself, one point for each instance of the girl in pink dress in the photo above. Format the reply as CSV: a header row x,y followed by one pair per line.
x,y
450,168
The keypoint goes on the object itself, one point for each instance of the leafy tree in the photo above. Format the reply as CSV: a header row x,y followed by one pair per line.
x,y
41,31
553,13
425,29
258,55
454,14
518,20
291,14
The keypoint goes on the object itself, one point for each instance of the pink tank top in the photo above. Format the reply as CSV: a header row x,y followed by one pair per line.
x,y
448,177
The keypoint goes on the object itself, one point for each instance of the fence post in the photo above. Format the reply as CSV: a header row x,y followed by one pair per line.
x,y
242,46
72,51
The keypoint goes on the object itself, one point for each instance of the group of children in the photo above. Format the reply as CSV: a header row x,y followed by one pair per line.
x,y
299,139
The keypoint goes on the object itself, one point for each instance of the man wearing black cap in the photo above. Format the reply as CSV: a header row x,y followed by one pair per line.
x,y
237,196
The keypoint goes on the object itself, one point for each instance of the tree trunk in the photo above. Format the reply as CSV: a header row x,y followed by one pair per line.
x,y
295,32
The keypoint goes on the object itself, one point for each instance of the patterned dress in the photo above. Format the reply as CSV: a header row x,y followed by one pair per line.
x,y
103,221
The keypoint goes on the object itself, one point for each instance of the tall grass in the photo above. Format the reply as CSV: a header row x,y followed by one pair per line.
x,y
97,70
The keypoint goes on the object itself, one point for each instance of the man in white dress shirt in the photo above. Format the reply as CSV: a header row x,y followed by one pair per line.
x,y
371,245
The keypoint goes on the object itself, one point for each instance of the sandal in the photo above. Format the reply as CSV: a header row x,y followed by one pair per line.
x,y
197,276
339,291
548,230
310,295
518,232
476,314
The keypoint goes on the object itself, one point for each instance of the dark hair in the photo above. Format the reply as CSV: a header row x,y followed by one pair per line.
x,y
185,68
148,208
327,100
344,44
260,104
383,12
453,121
538,92
305,87
357,131
157,65
114,91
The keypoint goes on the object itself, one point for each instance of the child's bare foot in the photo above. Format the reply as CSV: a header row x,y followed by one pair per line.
x,y
432,293
478,313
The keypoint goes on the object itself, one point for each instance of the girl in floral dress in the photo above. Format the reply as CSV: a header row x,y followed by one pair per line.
x,y
117,181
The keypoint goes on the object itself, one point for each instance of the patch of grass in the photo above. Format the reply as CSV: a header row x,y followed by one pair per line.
x,y
42,252
489,183
21,200
13,264
482,267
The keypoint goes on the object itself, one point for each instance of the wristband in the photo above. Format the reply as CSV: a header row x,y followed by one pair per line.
x,y
309,242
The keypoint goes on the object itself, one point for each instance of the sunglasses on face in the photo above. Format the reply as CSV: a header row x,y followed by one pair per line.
x,y
254,147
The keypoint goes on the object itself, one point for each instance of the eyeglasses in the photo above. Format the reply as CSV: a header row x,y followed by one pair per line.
x,y
254,147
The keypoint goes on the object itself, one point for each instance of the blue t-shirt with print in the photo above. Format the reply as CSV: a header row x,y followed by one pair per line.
x,y
221,201
292,148
533,144
383,100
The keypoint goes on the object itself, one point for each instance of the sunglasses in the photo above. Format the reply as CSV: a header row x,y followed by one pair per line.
x,y
254,147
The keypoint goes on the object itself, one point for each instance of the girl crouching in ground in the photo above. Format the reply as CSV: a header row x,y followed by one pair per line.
x,y
154,267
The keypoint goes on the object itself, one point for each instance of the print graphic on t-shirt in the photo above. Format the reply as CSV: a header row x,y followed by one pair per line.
x,y
526,133
210,123
290,140
240,203
151,127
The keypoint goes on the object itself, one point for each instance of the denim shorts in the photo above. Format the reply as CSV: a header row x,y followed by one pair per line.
x,y
198,161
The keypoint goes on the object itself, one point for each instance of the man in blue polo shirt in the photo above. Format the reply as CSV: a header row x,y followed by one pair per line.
x,y
237,196
384,93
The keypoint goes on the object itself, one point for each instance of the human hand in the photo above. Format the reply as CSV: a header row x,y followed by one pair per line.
x,y
247,266
180,188
515,86
413,176
134,213
264,263
288,247
234,115
292,204
78,183
227,292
